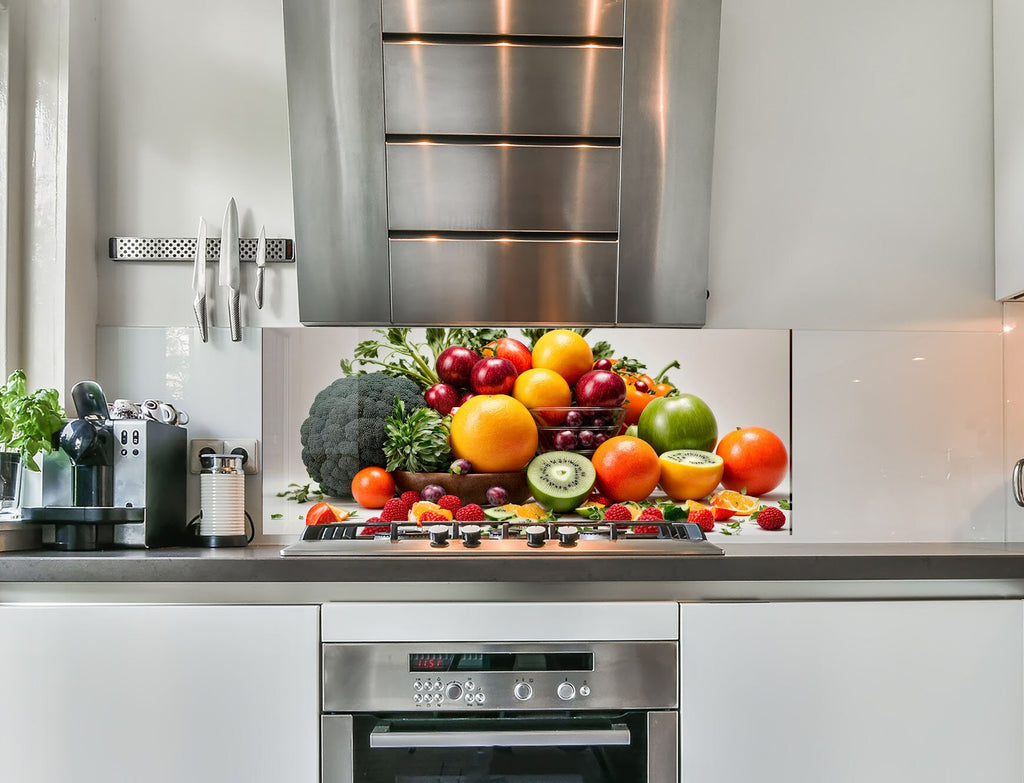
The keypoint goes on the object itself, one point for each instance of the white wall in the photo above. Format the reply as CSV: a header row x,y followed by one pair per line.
x,y
852,204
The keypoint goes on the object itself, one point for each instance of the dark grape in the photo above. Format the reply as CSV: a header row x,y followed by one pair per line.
x,y
565,440
587,439
574,419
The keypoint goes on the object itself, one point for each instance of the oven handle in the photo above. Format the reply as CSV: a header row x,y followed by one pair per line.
x,y
383,737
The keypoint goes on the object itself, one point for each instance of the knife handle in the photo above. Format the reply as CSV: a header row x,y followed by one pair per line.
x,y
199,305
235,316
258,293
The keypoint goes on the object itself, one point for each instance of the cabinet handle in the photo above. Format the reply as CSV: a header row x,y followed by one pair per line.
x,y
1018,488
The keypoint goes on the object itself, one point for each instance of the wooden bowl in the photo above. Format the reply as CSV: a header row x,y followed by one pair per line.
x,y
471,488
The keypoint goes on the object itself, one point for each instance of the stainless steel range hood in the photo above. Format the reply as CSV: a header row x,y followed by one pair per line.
x,y
502,161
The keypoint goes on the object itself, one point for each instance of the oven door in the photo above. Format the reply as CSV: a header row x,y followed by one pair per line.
x,y
629,747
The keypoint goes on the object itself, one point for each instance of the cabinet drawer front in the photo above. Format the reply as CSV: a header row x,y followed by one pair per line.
x,y
502,187
503,281
499,17
502,89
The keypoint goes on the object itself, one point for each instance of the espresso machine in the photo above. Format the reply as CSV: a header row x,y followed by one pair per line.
x,y
112,483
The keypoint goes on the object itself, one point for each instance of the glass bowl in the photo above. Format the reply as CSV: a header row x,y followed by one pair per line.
x,y
577,428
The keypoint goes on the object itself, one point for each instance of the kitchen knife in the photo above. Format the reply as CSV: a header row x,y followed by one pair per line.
x,y
229,276
199,282
261,262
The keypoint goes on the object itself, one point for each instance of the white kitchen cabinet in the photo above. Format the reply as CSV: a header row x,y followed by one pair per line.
x,y
886,692
1008,132
203,694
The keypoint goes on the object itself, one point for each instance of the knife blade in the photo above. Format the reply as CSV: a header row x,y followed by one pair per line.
x,y
229,275
261,262
199,282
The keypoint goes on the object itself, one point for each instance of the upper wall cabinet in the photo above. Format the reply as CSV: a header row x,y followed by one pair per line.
x,y
523,162
1008,113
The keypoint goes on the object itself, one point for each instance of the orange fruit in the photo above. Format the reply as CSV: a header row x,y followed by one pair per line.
x,y
494,432
420,507
741,505
531,511
755,460
627,468
565,352
542,388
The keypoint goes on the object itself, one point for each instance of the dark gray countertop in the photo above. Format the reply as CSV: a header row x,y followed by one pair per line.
x,y
743,562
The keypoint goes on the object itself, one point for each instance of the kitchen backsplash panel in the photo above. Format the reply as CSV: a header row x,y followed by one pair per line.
x,y
897,436
1013,388
743,375
219,383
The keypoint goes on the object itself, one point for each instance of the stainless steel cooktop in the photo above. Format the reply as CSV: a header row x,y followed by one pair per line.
x,y
528,538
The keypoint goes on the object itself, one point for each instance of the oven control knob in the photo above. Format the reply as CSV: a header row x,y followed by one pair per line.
x,y
453,691
568,535
522,691
438,535
535,535
566,691
471,535
584,690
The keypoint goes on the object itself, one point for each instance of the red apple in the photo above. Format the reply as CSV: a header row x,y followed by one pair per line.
x,y
442,397
601,389
466,396
493,376
513,350
455,364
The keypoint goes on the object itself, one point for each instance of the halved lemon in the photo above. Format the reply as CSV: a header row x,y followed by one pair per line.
x,y
689,474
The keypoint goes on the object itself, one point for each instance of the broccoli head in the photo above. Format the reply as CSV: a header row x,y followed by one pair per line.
x,y
344,431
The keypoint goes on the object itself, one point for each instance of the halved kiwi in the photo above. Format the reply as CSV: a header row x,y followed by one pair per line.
x,y
560,480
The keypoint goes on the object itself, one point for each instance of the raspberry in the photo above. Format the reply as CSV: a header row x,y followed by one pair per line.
x,y
645,530
374,525
450,503
409,498
770,518
650,513
617,513
471,512
703,518
394,510
432,516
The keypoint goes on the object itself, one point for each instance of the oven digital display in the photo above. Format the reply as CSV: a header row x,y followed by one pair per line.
x,y
502,662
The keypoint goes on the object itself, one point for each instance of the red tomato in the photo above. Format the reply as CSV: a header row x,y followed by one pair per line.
x,y
755,460
373,487
321,514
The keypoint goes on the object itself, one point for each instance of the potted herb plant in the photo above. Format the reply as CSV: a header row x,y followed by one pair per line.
x,y
28,422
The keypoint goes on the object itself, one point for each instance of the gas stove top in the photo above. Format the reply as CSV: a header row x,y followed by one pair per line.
x,y
549,539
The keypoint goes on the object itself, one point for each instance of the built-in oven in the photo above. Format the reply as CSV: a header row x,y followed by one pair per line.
x,y
517,712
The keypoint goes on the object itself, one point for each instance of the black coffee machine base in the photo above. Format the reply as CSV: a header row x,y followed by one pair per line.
x,y
82,528
218,541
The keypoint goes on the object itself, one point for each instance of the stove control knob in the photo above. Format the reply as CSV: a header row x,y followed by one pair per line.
x,y
522,691
438,535
453,691
566,691
535,535
584,690
471,535
568,535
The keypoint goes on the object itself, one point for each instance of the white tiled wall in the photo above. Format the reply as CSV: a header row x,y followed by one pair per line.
x,y
897,436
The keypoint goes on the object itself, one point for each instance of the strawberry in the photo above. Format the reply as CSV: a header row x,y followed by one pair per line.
x,y
645,530
649,514
617,513
597,497
409,498
449,502
720,514
471,512
432,516
703,518
375,525
394,510
770,518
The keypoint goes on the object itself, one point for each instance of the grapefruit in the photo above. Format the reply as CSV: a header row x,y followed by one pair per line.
x,y
627,469
494,432
755,460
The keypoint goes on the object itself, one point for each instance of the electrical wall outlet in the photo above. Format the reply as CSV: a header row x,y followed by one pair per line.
x,y
198,446
249,448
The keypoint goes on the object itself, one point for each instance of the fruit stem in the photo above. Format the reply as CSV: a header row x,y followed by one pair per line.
x,y
672,365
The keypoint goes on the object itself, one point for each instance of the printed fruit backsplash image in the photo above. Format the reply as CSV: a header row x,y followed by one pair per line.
x,y
488,425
